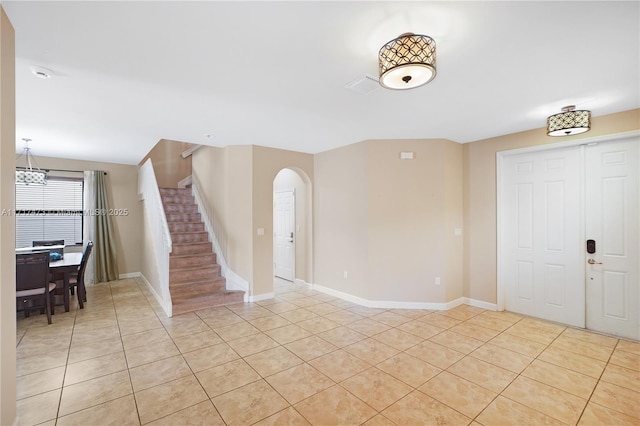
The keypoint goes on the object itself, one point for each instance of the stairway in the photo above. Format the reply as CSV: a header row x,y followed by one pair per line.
x,y
195,281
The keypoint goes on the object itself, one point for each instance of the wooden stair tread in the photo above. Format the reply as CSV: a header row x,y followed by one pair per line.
x,y
197,268
178,256
209,296
197,281
187,232
197,293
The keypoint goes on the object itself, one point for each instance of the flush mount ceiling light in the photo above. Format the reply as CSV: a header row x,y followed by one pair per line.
x,y
569,122
28,175
407,62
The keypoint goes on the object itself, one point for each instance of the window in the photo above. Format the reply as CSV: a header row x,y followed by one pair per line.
x,y
49,212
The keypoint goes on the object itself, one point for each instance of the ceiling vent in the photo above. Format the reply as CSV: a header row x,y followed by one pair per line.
x,y
364,85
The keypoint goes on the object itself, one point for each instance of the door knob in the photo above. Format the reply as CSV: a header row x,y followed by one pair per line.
x,y
593,262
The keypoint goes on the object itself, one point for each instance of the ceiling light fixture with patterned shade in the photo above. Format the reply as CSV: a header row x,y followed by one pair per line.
x,y
569,122
407,62
28,175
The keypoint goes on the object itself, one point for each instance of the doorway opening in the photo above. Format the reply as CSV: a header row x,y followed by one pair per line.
x,y
292,226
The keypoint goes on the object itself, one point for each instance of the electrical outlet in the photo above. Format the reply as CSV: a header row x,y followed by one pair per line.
x,y
437,281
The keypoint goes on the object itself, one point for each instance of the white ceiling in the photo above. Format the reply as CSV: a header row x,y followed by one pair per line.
x,y
128,74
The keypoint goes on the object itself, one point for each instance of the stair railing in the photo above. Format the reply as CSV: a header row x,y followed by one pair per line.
x,y
160,235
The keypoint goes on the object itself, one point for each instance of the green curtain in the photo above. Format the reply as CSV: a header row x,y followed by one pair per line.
x,y
105,259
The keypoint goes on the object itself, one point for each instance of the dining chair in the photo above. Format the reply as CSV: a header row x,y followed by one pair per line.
x,y
76,280
56,254
33,284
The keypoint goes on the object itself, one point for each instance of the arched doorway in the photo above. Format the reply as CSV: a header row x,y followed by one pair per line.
x,y
292,227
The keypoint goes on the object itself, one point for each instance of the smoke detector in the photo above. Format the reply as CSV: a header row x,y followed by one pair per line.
x,y
41,72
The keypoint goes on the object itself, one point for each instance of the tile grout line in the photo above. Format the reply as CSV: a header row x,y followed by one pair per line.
x,y
66,364
210,399
247,318
593,391
514,379
133,393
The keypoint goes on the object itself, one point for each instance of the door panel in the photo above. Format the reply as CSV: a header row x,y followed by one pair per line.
x,y
554,285
541,235
284,224
612,220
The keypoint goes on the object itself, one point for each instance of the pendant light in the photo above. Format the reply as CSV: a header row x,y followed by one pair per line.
x,y
29,175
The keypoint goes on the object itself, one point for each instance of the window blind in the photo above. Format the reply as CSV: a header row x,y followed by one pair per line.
x,y
49,212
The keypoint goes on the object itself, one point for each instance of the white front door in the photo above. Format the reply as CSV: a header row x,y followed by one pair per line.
x,y
283,236
551,203
540,245
612,222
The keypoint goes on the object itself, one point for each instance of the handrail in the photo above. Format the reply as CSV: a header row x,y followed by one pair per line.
x,y
160,235
189,151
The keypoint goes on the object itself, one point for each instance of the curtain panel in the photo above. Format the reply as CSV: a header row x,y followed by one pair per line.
x,y
98,227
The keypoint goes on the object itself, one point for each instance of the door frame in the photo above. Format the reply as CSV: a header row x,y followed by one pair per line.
x,y
500,160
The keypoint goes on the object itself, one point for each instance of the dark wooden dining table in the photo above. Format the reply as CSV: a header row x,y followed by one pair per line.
x,y
67,265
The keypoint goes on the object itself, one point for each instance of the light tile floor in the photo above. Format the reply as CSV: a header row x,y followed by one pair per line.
x,y
309,358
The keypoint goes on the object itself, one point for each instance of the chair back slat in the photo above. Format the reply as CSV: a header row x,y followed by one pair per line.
x,y
32,271
84,261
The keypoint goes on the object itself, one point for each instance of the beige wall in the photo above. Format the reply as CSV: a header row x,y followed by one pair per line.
x,y
341,216
239,207
267,162
453,220
169,166
122,181
237,184
7,223
209,173
389,222
480,264
224,176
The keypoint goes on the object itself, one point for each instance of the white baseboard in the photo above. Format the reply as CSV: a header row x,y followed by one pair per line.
x,y
234,281
298,281
259,297
387,304
166,305
453,303
480,304
129,275
383,304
